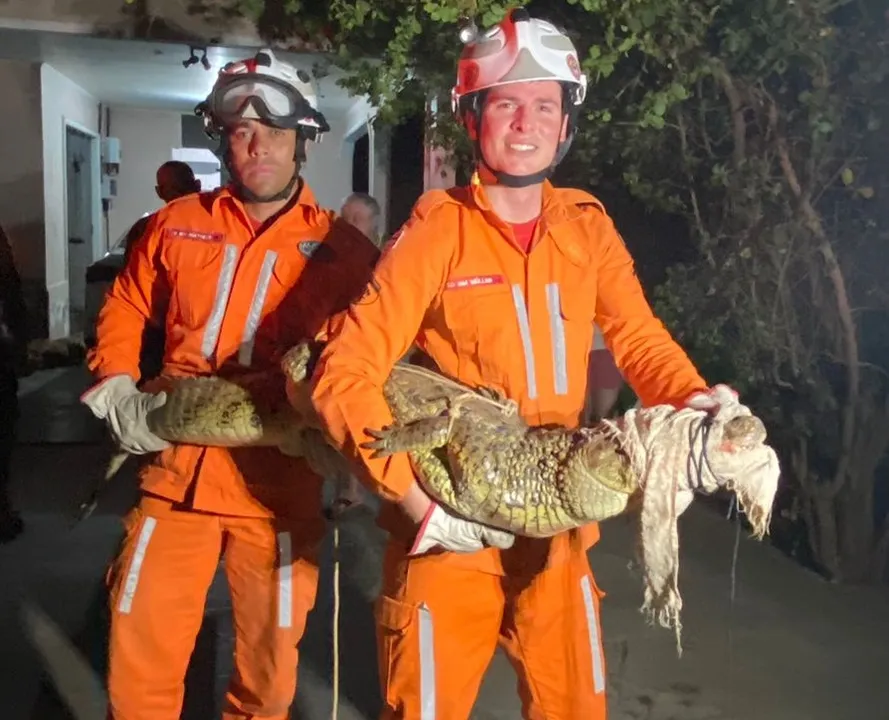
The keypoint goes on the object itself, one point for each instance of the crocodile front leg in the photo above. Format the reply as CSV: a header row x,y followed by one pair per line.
x,y
416,436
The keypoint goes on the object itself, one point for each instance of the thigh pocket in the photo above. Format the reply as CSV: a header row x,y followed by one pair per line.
x,y
407,656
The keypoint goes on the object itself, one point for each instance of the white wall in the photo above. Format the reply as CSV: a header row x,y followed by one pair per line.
x,y
21,176
62,101
204,164
328,169
350,124
382,162
147,139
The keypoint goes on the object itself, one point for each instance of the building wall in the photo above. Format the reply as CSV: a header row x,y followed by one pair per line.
x,y
62,101
21,179
118,19
147,139
39,99
328,169
379,176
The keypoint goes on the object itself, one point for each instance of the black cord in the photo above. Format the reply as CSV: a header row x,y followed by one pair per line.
x,y
695,465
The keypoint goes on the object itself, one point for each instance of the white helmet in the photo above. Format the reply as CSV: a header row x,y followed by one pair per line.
x,y
519,49
263,88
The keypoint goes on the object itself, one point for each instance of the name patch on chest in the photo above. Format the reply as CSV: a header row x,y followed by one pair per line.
x,y
199,235
462,283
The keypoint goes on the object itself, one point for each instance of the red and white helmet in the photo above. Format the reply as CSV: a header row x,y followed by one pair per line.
x,y
519,49
263,88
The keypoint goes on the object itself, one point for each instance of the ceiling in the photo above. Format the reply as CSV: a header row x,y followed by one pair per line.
x,y
146,74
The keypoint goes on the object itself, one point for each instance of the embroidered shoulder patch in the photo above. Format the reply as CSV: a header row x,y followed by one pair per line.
x,y
199,235
317,251
309,247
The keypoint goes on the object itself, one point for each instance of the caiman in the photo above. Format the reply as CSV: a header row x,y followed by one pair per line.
x,y
471,450
475,455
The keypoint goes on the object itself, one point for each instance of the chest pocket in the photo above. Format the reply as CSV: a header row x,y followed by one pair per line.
x,y
484,331
275,319
207,266
571,311
306,294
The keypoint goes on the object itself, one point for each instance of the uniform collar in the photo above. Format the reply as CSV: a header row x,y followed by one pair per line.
x,y
305,199
554,212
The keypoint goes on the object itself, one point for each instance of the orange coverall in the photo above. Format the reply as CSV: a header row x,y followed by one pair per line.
x,y
489,314
232,299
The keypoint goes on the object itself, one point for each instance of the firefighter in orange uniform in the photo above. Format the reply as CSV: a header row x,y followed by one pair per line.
x,y
494,281
236,277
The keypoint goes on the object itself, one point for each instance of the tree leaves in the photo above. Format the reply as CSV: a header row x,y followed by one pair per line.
x,y
732,114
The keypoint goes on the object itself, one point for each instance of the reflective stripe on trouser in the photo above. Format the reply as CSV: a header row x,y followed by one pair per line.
x,y
438,627
159,583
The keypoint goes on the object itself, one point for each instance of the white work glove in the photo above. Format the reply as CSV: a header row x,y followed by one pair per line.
x,y
718,400
124,408
448,532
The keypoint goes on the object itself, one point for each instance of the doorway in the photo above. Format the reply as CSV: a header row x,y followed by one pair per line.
x,y
406,169
82,208
361,164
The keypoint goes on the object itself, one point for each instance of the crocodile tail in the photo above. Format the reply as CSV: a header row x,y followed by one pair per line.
x,y
115,464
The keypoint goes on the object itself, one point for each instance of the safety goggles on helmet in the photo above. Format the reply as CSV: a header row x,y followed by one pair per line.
x,y
263,88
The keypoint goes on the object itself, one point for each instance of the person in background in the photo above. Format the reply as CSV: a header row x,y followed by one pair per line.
x,y
175,179
363,211
13,354
236,277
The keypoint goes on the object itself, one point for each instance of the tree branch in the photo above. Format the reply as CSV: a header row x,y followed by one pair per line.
x,y
847,322
739,125
683,142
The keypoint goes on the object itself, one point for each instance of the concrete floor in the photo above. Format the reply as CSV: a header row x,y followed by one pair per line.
x,y
789,647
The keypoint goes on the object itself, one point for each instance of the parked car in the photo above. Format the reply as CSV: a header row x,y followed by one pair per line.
x,y
101,274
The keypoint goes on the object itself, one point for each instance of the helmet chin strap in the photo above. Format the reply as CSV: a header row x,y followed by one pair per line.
x,y
517,181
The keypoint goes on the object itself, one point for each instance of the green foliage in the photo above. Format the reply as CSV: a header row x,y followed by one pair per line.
x,y
761,122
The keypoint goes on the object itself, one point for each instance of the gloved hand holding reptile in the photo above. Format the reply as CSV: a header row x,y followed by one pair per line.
x,y
480,461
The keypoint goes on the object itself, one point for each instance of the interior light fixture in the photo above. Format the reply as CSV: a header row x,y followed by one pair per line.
x,y
193,59
467,30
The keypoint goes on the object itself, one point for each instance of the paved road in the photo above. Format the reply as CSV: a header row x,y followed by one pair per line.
x,y
790,647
